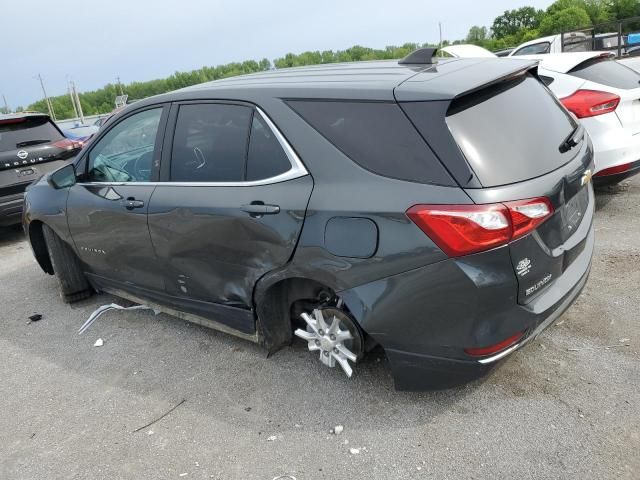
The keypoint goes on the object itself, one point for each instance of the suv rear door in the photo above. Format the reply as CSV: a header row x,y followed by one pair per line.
x,y
28,146
229,208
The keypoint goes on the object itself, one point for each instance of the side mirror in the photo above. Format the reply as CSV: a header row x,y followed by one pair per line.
x,y
64,177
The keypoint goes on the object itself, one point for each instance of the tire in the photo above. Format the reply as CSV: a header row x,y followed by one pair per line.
x,y
67,268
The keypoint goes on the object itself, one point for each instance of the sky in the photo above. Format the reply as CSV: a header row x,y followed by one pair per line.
x,y
93,41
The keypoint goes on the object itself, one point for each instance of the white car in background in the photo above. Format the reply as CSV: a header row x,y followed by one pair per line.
x,y
605,95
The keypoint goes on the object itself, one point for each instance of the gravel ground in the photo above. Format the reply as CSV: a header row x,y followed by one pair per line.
x,y
566,406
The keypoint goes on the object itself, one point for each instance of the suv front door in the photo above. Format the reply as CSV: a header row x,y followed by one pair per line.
x,y
230,208
107,208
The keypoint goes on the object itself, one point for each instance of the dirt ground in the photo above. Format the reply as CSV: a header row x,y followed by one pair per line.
x,y
566,406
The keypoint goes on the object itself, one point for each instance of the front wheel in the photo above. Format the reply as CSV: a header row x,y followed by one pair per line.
x,y
67,268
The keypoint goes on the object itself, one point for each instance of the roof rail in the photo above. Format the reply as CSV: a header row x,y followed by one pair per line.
x,y
422,56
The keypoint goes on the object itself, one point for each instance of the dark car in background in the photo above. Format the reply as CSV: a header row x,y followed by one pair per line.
x,y
30,146
442,211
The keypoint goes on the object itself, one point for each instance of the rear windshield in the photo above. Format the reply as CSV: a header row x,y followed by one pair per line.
x,y
607,72
511,131
375,135
27,132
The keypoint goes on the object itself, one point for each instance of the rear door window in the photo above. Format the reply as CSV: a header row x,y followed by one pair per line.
x,y
511,131
266,158
210,143
606,71
375,135
26,132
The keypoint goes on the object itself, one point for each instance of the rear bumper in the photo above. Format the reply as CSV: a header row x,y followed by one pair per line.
x,y
613,145
425,318
613,178
11,209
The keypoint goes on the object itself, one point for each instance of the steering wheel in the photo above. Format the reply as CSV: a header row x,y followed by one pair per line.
x,y
142,166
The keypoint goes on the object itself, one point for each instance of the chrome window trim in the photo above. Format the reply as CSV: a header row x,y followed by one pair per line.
x,y
297,169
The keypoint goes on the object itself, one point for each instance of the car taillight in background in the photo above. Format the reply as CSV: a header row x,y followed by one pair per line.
x,y
464,229
68,144
589,103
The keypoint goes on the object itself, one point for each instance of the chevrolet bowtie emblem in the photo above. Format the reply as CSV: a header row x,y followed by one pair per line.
x,y
586,177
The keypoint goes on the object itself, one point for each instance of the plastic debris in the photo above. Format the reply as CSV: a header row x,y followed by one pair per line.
x,y
35,317
272,438
354,451
99,343
338,429
183,474
284,477
105,308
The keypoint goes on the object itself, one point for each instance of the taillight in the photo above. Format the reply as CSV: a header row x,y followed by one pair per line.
x,y
589,103
614,170
498,347
526,215
67,144
464,229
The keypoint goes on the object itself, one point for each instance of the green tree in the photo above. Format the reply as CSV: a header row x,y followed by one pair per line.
x,y
477,34
597,10
564,20
512,21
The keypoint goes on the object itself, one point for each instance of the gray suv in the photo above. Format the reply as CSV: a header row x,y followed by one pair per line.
x,y
440,211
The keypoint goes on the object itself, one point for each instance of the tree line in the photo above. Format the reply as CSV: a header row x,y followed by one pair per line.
x,y
520,25
509,29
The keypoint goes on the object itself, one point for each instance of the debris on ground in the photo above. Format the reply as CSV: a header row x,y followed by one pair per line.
x,y
272,438
161,416
35,317
354,451
99,343
105,308
337,430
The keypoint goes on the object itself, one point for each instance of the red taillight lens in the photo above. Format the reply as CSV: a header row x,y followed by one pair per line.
x,y
589,103
463,229
526,215
498,347
67,144
613,170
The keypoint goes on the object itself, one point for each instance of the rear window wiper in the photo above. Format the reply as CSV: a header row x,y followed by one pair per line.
x,y
31,142
573,139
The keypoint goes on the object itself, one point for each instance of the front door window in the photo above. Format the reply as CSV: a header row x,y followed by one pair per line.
x,y
125,153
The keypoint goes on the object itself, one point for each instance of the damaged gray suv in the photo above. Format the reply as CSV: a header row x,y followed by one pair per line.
x,y
442,211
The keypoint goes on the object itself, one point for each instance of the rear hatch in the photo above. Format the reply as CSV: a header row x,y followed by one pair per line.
x,y
520,143
25,142
616,78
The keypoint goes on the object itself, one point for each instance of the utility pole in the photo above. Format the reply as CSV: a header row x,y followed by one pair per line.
x,y
73,101
52,114
119,85
440,29
75,93
6,107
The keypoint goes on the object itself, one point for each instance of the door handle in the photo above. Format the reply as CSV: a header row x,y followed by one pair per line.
x,y
131,203
258,209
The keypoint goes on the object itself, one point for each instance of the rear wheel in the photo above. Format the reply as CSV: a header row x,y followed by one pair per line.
x,y
334,334
67,268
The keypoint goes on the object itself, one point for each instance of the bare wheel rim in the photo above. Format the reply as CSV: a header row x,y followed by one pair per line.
x,y
328,333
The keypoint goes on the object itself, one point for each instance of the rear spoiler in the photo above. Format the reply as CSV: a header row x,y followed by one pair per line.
x,y
456,78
